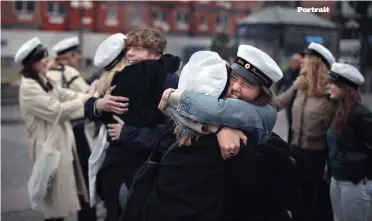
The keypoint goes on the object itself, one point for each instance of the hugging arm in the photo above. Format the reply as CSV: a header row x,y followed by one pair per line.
x,y
256,120
142,137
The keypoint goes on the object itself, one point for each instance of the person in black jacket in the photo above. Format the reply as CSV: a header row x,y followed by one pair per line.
x,y
141,44
195,182
350,147
141,83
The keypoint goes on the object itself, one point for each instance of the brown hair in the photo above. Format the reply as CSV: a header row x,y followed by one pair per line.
x,y
265,97
314,80
347,100
148,38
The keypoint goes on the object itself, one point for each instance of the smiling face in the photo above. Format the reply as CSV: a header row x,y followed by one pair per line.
x,y
240,88
41,65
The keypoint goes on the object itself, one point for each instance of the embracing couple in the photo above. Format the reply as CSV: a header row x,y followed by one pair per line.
x,y
194,181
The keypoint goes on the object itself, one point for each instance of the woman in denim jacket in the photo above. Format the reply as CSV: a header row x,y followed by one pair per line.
x,y
194,183
256,120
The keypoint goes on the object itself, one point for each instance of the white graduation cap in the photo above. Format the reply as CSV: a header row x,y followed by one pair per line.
x,y
66,45
322,52
256,66
347,74
110,51
205,73
31,51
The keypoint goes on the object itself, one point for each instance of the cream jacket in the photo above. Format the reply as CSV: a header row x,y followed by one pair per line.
x,y
39,110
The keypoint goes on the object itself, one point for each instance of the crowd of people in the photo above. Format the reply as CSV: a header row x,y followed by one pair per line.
x,y
198,146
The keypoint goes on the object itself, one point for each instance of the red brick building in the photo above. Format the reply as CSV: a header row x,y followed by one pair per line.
x,y
174,17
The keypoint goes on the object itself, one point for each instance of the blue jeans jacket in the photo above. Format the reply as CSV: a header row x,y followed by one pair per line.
x,y
258,121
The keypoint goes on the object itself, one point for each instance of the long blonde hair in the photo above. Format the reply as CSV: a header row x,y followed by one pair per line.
x,y
314,79
105,80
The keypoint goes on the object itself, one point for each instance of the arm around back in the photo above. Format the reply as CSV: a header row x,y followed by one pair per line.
x,y
46,105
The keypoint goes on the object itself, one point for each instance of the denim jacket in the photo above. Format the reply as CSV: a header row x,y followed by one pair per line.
x,y
255,120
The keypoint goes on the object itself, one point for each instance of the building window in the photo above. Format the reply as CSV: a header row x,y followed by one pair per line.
x,y
24,7
160,16
221,23
203,23
160,19
136,15
87,4
182,20
182,17
111,16
56,9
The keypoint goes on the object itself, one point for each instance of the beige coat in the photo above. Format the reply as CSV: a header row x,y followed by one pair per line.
x,y
77,84
311,117
39,110
73,78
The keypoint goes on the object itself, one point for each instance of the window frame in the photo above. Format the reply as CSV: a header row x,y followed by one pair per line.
x,y
56,7
220,27
203,26
111,18
24,7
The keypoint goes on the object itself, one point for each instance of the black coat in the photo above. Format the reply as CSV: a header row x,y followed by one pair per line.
x,y
355,146
142,83
195,183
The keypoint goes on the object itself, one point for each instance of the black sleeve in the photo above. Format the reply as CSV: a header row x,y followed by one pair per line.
x,y
89,111
367,129
171,63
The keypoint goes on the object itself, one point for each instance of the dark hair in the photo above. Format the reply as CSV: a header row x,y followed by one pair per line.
x,y
29,72
265,97
349,97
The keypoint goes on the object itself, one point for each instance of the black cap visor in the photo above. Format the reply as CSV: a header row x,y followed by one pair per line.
x,y
251,78
251,73
35,55
73,48
336,78
115,61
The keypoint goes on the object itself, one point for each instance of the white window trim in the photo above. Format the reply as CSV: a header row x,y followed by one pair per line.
x,y
159,21
24,14
87,4
203,27
159,17
55,12
183,24
111,20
